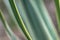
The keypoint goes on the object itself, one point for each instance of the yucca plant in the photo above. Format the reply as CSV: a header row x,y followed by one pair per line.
x,y
32,18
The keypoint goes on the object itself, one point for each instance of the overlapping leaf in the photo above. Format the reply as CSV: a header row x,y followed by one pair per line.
x,y
33,19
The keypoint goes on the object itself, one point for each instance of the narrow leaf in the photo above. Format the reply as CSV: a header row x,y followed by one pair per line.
x,y
57,13
19,19
7,28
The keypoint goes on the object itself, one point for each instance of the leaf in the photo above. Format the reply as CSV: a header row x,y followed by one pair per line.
x,y
34,13
19,19
57,13
11,35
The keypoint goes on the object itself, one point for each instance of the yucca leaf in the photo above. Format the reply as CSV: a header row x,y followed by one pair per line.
x,y
44,13
33,30
32,16
11,35
19,19
57,13
6,2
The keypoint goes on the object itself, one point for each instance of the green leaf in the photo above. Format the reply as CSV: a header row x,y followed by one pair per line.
x,y
8,30
19,19
35,17
57,13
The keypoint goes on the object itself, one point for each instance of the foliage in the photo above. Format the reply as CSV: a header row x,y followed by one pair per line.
x,y
33,19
